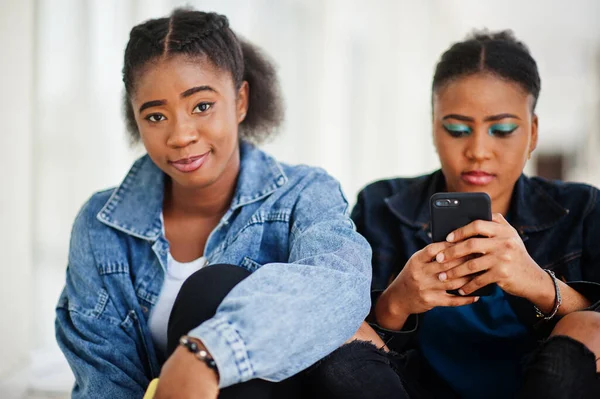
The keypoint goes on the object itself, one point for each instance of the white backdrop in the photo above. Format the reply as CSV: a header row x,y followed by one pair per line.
x,y
356,78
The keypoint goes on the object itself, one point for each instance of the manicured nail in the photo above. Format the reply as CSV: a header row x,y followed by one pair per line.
x,y
461,292
442,276
476,299
450,237
439,257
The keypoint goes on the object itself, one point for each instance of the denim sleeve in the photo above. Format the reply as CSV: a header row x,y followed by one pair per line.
x,y
286,316
102,356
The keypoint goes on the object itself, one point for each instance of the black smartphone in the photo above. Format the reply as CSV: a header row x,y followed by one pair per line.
x,y
450,211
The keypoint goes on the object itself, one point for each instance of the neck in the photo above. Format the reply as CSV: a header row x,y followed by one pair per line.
x,y
501,205
206,202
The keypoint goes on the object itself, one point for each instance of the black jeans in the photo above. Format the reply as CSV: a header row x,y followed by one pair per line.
x,y
197,302
560,368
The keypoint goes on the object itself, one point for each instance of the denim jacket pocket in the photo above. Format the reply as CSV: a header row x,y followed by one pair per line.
x,y
99,303
249,264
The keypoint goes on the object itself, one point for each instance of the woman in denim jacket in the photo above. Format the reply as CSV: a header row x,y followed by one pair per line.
x,y
289,277
537,335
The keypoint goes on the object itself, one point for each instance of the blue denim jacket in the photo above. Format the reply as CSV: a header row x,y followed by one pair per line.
x,y
289,225
558,222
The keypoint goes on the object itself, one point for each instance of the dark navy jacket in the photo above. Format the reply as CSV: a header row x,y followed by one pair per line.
x,y
558,222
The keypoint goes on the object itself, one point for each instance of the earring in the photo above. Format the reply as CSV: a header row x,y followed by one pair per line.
x,y
529,156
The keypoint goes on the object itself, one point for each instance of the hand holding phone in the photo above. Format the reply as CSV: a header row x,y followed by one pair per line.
x,y
417,289
451,211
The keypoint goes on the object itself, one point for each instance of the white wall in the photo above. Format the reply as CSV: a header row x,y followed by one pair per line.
x,y
16,244
356,78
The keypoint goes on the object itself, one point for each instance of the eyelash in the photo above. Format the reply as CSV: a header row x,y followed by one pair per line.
x,y
149,118
203,103
502,133
457,133
494,132
157,115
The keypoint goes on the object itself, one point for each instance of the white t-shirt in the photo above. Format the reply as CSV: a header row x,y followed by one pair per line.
x,y
175,276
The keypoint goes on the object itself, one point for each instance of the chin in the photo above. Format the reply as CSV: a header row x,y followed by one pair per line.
x,y
192,182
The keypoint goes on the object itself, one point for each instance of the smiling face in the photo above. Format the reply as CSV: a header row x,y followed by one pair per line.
x,y
187,112
484,131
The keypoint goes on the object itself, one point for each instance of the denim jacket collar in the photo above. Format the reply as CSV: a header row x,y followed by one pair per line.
x,y
531,209
136,205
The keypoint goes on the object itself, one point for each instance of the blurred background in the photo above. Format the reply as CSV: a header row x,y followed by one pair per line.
x,y
356,80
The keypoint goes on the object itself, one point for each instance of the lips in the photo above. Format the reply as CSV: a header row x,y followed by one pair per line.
x,y
190,164
477,177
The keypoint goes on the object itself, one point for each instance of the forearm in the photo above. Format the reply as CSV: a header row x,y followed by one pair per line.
x,y
297,302
388,312
543,296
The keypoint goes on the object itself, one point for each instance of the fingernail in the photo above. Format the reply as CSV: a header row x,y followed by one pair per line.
x,y
461,292
442,276
476,299
450,237
439,257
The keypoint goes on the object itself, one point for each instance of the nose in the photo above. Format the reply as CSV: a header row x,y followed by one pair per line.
x,y
183,134
479,146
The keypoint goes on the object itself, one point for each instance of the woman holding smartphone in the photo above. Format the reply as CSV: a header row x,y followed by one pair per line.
x,y
538,333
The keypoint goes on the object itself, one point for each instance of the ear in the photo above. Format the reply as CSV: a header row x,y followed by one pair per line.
x,y
242,101
534,134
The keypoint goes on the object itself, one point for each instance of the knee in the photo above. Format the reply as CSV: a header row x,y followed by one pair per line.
x,y
566,362
366,333
344,368
582,326
215,278
199,297
208,287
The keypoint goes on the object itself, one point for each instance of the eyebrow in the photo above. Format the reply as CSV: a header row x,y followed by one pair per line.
x,y
187,93
492,118
154,103
197,89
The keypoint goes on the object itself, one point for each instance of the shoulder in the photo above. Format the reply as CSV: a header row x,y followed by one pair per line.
x,y
375,194
313,187
259,169
576,197
305,174
86,228
388,187
87,216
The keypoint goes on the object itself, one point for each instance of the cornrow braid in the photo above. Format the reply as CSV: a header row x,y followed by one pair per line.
x,y
498,53
213,23
206,36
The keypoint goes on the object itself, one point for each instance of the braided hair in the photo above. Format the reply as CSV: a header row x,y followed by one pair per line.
x,y
499,53
207,36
